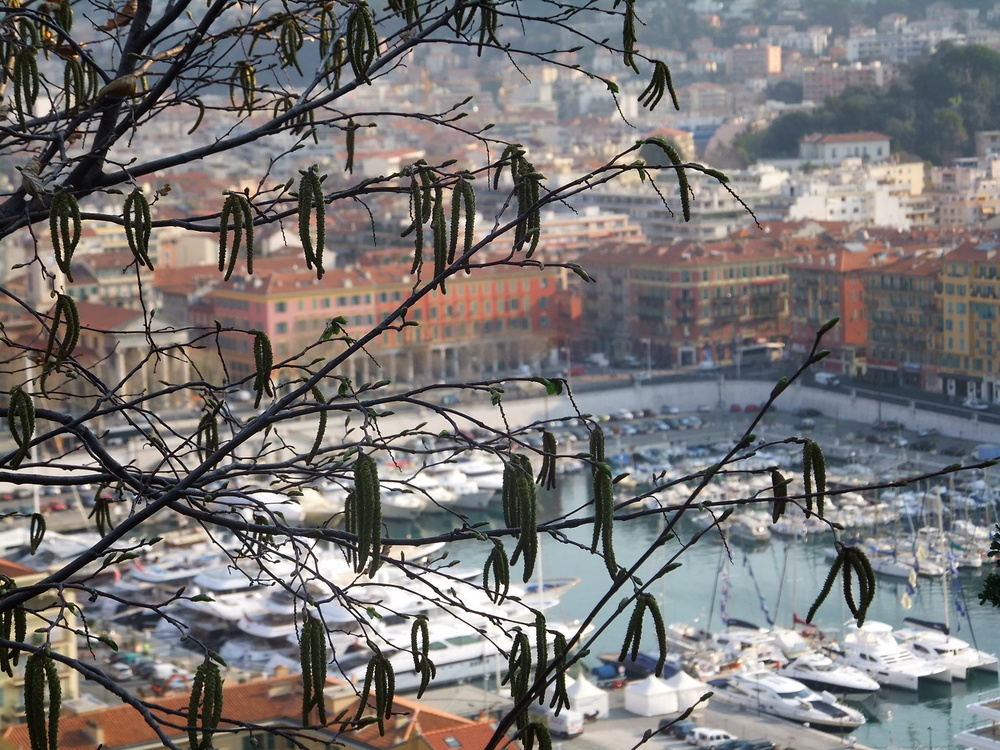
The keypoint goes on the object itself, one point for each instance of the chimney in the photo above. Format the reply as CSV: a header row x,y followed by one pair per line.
x,y
95,732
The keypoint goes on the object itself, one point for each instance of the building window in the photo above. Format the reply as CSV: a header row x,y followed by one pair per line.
x,y
280,307
281,328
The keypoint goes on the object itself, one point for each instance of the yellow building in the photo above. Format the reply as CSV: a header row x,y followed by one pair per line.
x,y
60,639
970,306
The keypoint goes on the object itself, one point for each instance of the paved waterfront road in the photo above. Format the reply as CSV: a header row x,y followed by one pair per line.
x,y
623,730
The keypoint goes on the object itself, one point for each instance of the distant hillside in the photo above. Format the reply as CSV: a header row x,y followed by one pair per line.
x,y
932,112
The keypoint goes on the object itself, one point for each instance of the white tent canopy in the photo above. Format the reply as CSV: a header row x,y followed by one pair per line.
x,y
587,698
687,688
650,697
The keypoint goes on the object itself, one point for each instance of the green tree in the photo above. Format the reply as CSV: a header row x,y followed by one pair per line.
x,y
912,110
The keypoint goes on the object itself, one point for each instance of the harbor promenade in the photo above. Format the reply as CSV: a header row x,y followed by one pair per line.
x,y
622,730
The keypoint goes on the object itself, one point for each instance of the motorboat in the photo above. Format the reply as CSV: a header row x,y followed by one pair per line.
x,y
458,651
746,645
873,649
817,670
749,527
176,567
687,639
945,650
774,694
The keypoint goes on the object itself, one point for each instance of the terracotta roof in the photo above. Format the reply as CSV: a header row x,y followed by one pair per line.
x,y
865,135
913,265
106,317
276,698
976,251
410,717
275,701
16,570
471,737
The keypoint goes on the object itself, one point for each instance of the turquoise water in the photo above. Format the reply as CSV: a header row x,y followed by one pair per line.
x,y
692,593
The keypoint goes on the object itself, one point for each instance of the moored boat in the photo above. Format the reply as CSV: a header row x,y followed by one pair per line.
x,y
873,649
786,698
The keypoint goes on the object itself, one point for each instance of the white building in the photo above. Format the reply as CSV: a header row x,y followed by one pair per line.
x,y
833,148
898,47
863,201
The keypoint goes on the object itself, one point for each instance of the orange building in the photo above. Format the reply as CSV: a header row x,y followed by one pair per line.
x,y
904,320
689,301
826,283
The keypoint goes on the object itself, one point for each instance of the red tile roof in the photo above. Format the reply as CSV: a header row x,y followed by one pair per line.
x,y
275,701
471,737
865,135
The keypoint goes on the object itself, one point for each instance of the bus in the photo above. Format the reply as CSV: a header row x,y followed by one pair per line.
x,y
761,355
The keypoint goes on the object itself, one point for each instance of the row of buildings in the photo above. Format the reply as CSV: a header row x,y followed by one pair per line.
x,y
916,308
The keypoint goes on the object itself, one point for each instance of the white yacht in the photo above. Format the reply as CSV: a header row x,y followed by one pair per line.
x,y
945,650
786,698
750,527
459,652
818,671
872,649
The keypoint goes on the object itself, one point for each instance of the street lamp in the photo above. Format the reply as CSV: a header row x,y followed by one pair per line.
x,y
569,363
649,357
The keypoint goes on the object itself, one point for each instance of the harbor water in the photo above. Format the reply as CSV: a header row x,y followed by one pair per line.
x,y
764,583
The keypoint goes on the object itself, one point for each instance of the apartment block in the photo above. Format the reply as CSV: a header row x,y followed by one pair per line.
x,y
826,282
753,60
496,319
39,632
969,299
832,78
691,301
904,321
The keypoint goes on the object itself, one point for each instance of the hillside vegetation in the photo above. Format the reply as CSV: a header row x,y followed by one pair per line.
x,y
931,112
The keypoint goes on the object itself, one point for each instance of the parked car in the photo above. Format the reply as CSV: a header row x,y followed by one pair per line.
x,y
708,738
954,450
750,408
975,404
128,657
808,411
735,408
175,682
927,432
703,408
119,671
924,446
877,439
888,425
679,729
154,670
668,409
898,441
